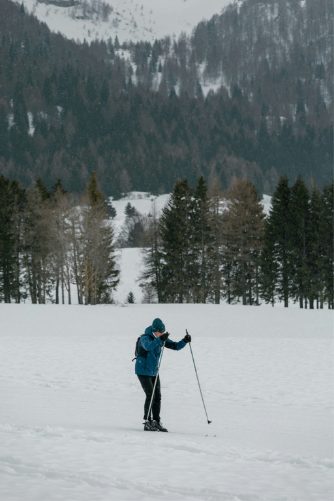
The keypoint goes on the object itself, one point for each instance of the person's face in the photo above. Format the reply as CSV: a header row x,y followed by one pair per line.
x,y
159,333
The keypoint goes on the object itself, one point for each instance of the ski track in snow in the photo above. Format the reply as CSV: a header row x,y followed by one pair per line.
x,y
71,406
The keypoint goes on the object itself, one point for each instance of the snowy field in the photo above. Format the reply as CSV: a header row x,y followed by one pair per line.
x,y
145,20
71,406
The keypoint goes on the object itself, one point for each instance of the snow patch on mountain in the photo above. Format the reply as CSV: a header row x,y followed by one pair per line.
x,y
134,20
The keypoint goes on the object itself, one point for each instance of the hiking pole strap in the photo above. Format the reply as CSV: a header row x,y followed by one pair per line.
x,y
200,389
155,382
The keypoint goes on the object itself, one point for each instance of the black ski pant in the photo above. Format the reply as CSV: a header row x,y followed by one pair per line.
x,y
147,383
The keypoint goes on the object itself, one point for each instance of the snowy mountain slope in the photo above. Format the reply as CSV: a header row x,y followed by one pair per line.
x,y
136,20
71,413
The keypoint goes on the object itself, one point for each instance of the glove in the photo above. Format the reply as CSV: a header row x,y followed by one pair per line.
x,y
187,338
164,337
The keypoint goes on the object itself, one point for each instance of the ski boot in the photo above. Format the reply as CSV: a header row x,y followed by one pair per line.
x,y
159,426
149,426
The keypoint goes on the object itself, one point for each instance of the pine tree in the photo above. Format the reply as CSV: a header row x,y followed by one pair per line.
x,y
203,240
20,109
110,48
19,195
47,92
130,299
315,261
299,243
8,257
90,88
180,270
45,194
129,210
58,187
326,238
216,254
94,195
275,275
198,91
104,94
110,209
4,136
270,267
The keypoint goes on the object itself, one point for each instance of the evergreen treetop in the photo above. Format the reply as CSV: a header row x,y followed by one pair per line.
x,y
58,187
130,299
94,195
45,194
129,210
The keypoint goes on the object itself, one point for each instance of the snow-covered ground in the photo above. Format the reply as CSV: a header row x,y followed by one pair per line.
x,y
144,20
71,406
130,263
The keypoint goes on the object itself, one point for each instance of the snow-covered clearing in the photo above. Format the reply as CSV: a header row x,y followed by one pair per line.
x,y
142,201
145,20
71,406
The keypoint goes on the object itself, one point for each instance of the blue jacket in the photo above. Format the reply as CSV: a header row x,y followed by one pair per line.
x,y
149,349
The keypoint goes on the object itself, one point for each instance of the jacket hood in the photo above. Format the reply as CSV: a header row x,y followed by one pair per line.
x,y
148,330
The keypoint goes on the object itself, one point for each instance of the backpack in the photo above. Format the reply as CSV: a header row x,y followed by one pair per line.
x,y
137,349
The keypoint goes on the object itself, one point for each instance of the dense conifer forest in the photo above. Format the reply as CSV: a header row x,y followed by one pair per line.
x,y
210,245
68,109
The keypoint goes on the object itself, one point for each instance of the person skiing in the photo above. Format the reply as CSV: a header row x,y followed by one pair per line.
x,y
149,350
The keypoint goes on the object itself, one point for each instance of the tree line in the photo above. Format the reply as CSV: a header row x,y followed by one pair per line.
x,y
207,245
50,239
210,245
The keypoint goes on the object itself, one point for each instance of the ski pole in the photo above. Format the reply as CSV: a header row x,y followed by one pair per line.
x,y
198,381
155,382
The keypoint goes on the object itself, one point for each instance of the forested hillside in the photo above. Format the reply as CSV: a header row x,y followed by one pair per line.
x,y
68,109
